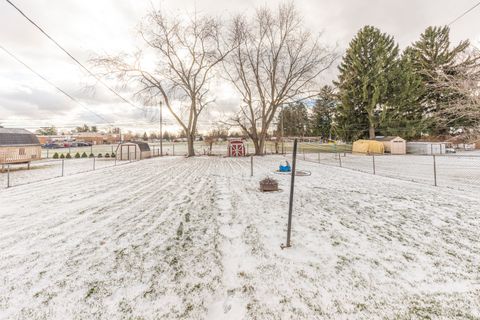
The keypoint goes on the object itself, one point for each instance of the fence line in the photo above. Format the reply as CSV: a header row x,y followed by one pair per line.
x,y
56,168
458,171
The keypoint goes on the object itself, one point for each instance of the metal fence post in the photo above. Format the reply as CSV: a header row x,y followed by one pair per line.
x,y
373,158
434,171
94,163
115,160
292,189
339,159
8,175
47,153
251,166
63,167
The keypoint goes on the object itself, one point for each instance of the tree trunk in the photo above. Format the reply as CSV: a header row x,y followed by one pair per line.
x,y
261,146
190,141
258,148
371,133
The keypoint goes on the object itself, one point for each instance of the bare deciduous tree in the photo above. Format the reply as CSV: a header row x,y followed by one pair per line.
x,y
217,133
184,53
461,90
274,61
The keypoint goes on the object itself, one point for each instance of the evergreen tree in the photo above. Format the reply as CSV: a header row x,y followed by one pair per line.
x,y
404,115
435,59
145,136
295,120
365,82
321,123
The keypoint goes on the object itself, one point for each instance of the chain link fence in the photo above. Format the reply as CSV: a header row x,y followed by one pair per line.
x,y
456,171
19,174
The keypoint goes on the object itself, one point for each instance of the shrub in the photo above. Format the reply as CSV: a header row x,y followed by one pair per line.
x,y
84,155
112,155
62,156
55,156
99,155
107,155
77,155
69,156
91,155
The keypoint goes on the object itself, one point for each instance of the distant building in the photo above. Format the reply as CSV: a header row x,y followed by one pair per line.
x,y
18,146
111,138
53,138
428,148
91,137
393,144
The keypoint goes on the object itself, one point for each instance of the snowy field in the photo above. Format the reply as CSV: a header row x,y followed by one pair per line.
x,y
52,168
176,238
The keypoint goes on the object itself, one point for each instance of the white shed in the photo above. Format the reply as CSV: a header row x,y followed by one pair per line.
x,y
393,144
426,147
135,150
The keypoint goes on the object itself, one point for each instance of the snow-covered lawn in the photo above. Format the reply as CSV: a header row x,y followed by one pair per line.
x,y
176,238
52,168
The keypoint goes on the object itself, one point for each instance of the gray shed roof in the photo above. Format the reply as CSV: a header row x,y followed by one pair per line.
x,y
143,146
388,138
17,137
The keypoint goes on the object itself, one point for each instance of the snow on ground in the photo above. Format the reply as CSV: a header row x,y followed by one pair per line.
x,y
52,168
176,238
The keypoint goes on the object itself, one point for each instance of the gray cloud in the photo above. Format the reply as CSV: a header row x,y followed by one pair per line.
x,y
87,28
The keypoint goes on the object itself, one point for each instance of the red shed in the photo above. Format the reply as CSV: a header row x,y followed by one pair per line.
x,y
236,148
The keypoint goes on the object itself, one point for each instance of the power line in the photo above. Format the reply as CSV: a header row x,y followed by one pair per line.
x,y
71,56
460,16
52,84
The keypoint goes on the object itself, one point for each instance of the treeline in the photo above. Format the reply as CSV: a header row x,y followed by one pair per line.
x,y
429,88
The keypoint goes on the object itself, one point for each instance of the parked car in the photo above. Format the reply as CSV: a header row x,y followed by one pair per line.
x,y
52,146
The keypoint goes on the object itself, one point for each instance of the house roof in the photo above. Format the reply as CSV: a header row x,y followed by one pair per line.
x,y
388,138
17,137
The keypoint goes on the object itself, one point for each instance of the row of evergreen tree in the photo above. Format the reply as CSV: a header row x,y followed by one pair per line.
x,y
426,89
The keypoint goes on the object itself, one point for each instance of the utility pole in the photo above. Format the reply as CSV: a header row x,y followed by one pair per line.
x,y
161,130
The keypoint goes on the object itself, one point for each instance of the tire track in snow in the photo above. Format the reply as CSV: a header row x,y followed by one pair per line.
x,y
229,304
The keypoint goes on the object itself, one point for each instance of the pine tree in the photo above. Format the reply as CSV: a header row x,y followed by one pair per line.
x,y
295,120
435,59
365,82
404,115
321,122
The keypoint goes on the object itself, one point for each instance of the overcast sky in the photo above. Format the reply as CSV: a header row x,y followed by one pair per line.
x,y
90,27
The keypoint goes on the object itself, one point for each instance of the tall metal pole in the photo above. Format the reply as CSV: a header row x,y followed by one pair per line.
x,y
161,130
373,158
251,166
281,124
8,175
292,188
434,171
